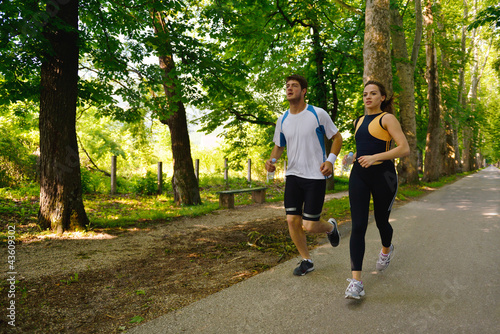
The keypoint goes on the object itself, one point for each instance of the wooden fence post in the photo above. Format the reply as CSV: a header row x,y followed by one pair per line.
x,y
226,171
249,175
160,178
113,174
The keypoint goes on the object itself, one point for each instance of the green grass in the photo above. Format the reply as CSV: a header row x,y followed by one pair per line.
x,y
27,190
407,192
443,180
106,211
338,208
20,206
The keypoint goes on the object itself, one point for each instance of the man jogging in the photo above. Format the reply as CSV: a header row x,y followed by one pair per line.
x,y
302,130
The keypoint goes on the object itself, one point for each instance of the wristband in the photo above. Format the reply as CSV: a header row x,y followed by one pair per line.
x,y
331,158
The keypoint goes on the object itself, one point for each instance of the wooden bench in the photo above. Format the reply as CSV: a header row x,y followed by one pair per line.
x,y
226,197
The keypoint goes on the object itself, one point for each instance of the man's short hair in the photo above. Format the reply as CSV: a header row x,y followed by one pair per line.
x,y
302,81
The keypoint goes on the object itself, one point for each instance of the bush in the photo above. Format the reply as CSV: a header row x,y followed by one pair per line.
x,y
147,185
17,163
94,181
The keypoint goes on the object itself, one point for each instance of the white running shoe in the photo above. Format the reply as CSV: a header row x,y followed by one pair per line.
x,y
384,260
355,290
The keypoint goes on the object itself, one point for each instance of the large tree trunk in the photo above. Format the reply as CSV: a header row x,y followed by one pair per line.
x,y
467,132
184,182
433,157
408,166
377,42
461,100
61,204
448,149
449,156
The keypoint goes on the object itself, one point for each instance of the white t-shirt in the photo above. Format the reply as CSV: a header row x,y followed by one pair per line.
x,y
305,151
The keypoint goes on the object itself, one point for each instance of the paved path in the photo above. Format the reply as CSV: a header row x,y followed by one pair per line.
x,y
444,278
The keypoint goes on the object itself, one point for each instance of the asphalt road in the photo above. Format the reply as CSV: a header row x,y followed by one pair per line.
x,y
444,278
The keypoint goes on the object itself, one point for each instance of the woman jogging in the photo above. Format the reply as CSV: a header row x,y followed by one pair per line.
x,y
373,173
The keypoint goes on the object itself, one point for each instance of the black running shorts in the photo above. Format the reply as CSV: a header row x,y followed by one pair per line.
x,y
304,197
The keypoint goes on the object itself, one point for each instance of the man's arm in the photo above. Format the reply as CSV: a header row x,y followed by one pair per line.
x,y
327,166
275,154
336,144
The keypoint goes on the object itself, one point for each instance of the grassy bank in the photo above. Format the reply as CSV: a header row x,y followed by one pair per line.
x,y
122,211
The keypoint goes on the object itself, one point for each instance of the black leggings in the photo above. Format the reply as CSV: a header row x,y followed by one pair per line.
x,y
381,181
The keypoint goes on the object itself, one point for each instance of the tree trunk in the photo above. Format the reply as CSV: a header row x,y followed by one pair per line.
x,y
461,100
408,166
448,149
433,158
449,156
471,133
469,154
376,50
321,89
61,204
184,181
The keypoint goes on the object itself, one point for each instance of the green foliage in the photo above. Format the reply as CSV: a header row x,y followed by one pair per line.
x,y
106,211
27,191
338,208
488,16
20,206
94,182
341,183
231,60
21,27
409,191
245,142
136,319
274,40
490,141
18,145
148,184
138,146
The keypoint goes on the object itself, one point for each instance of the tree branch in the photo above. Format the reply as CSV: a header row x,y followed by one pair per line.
x,y
250,118
348,7
290,23
90,159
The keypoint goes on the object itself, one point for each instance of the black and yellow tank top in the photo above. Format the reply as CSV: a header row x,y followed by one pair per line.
x,y
371,137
